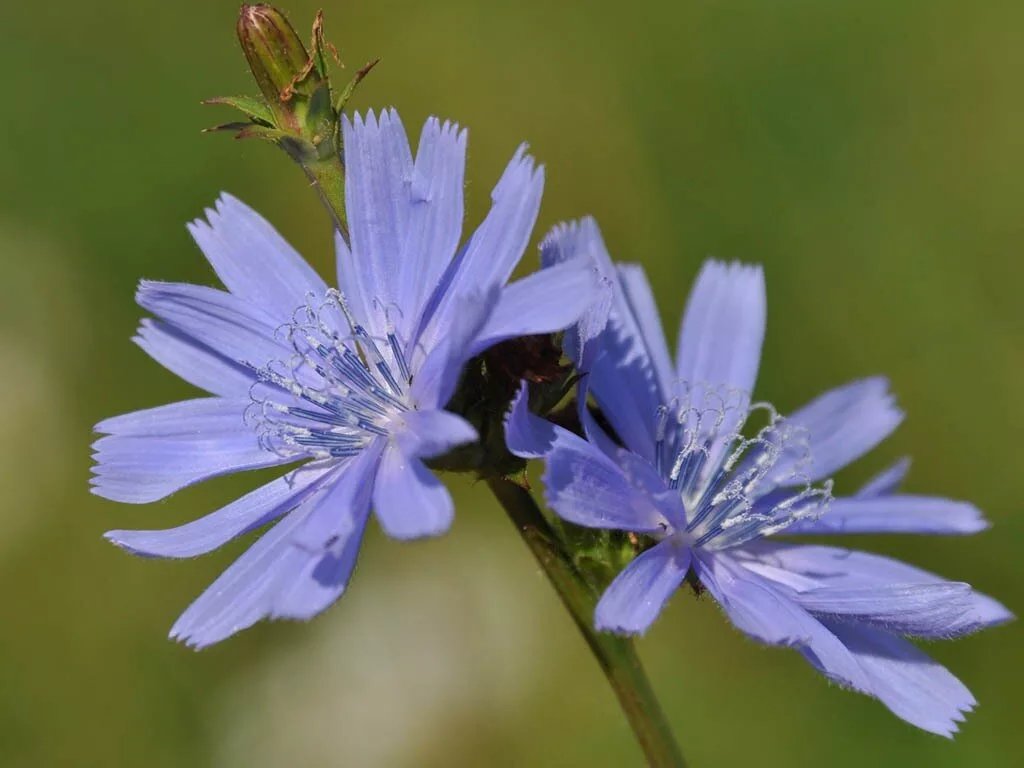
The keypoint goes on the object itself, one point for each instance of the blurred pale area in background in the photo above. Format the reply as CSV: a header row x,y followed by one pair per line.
x,y
870,154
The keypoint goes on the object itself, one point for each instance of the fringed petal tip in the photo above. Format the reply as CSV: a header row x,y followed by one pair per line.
x,y
277,579
733,272
222,206
522,176
572,239
146,288
371,120
444,130
189,641
196,638
910,684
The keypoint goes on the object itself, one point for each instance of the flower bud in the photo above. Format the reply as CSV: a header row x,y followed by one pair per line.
x,y
297,109
277,58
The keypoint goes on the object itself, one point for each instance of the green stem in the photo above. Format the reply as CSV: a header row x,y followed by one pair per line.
x,y
328,176
616,655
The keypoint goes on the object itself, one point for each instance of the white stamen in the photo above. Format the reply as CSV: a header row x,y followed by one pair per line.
x,y
734,488
337,393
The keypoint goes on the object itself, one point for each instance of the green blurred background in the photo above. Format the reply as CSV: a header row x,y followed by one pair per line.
x,y
870,154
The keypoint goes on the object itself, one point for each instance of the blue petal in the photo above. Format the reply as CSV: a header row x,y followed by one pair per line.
x,y
204,416
426,434
343,505
253,261
625,357
526,434
378,176
499,242
546,301
230,326
723,327
275,578
436,377
638,298
913,686
194,362
642,475
351,276
532,437
584,486
886,482
765,612
842,425
572,240
635,598
409,501
987,612
593,431
581,241
895,514
319,580
153,454
631,377
626,391
920,609
328,541
878,508
752,603
805,567
243,594
252,511
487,260
435,219
189,417
405,217
719,351
141,470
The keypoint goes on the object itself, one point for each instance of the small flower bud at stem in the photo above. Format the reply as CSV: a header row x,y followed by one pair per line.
x,y
297,109
276,55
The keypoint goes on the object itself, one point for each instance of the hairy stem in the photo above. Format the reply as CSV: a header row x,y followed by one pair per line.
x,y
616,655
328,176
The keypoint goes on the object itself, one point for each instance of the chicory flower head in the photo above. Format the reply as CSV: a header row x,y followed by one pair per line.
x,y
349,383
711,477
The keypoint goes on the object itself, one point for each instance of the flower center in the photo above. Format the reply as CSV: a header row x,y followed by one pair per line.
x,y
339,391
737,481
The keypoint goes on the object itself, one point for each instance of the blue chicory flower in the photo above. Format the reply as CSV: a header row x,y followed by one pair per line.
x,y
712,477
350,383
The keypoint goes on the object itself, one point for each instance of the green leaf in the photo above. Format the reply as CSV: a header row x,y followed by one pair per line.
x,y
254,108
342,100
253,131
229,127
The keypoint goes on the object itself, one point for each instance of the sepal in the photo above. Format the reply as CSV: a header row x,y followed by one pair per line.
x,y
296,109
